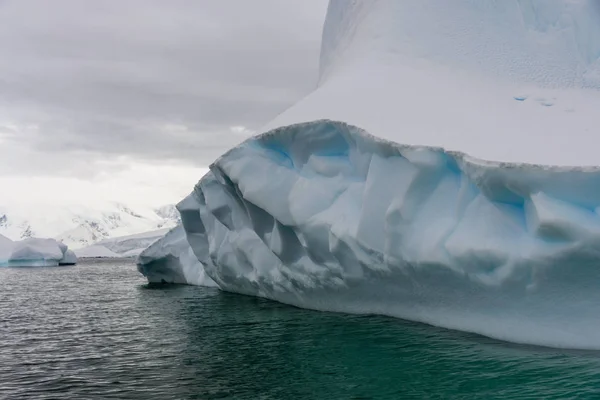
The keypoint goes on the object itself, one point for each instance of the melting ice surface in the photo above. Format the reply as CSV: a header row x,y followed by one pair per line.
x,y
433,174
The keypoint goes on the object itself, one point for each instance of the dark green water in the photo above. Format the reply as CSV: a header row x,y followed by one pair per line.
x,y
97,331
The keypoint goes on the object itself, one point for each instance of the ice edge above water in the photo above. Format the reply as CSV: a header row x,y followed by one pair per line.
x,y
323,215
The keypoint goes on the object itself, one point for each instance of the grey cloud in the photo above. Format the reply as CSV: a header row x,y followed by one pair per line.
x,y
104,78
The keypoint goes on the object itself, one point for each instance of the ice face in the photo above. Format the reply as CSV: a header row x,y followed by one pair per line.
x,y
324,216
171,260
96,251
35,252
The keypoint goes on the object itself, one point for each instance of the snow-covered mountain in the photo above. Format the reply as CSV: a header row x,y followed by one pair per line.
x,y
82,225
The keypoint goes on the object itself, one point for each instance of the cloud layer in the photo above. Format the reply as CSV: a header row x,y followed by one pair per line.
x,y
84,83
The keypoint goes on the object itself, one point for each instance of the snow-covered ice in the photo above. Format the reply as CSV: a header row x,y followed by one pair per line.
x,y
96,251
35,252
122,246
445,170
171,260
510,80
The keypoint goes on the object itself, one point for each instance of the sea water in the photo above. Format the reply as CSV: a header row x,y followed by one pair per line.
x,y
98,330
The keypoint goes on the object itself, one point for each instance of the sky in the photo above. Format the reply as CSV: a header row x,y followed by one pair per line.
x,y
134,99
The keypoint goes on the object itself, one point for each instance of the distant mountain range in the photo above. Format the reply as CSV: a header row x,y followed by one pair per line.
x,y
79,226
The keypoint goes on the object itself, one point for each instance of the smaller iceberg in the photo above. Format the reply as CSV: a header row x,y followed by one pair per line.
x,y
171,260
69,258
35,252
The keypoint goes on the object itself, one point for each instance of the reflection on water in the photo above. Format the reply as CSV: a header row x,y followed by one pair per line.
x,y
97,331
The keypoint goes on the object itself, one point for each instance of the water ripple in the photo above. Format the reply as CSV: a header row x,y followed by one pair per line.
x,y
97,331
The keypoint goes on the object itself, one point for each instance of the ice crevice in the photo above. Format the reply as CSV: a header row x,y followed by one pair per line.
x,y
325,216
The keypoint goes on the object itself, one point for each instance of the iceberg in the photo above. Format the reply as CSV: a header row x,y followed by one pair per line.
x,y
69,258
35,252
324,216
444,171
171,260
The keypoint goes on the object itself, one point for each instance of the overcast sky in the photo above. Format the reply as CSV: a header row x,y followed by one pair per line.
x,y
91,90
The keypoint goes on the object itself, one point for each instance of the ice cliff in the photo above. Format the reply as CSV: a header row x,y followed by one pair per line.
x,y
444,171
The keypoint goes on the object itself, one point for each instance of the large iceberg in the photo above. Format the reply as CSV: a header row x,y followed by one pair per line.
x,y
444,171
35,252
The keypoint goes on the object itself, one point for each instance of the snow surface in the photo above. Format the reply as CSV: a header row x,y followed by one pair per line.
x,y
96,251
511,81
35,252
171,260
458,226
122,246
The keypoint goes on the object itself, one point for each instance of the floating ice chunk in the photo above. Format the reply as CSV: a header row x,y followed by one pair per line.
x,y
171,260
35,252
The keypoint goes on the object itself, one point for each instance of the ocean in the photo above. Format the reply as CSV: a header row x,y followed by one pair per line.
x,y
99,331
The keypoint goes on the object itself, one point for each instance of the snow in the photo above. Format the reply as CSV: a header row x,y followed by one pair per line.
x,y
4,241
171,260
35,252
122,246
509,81
5,247
96,251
